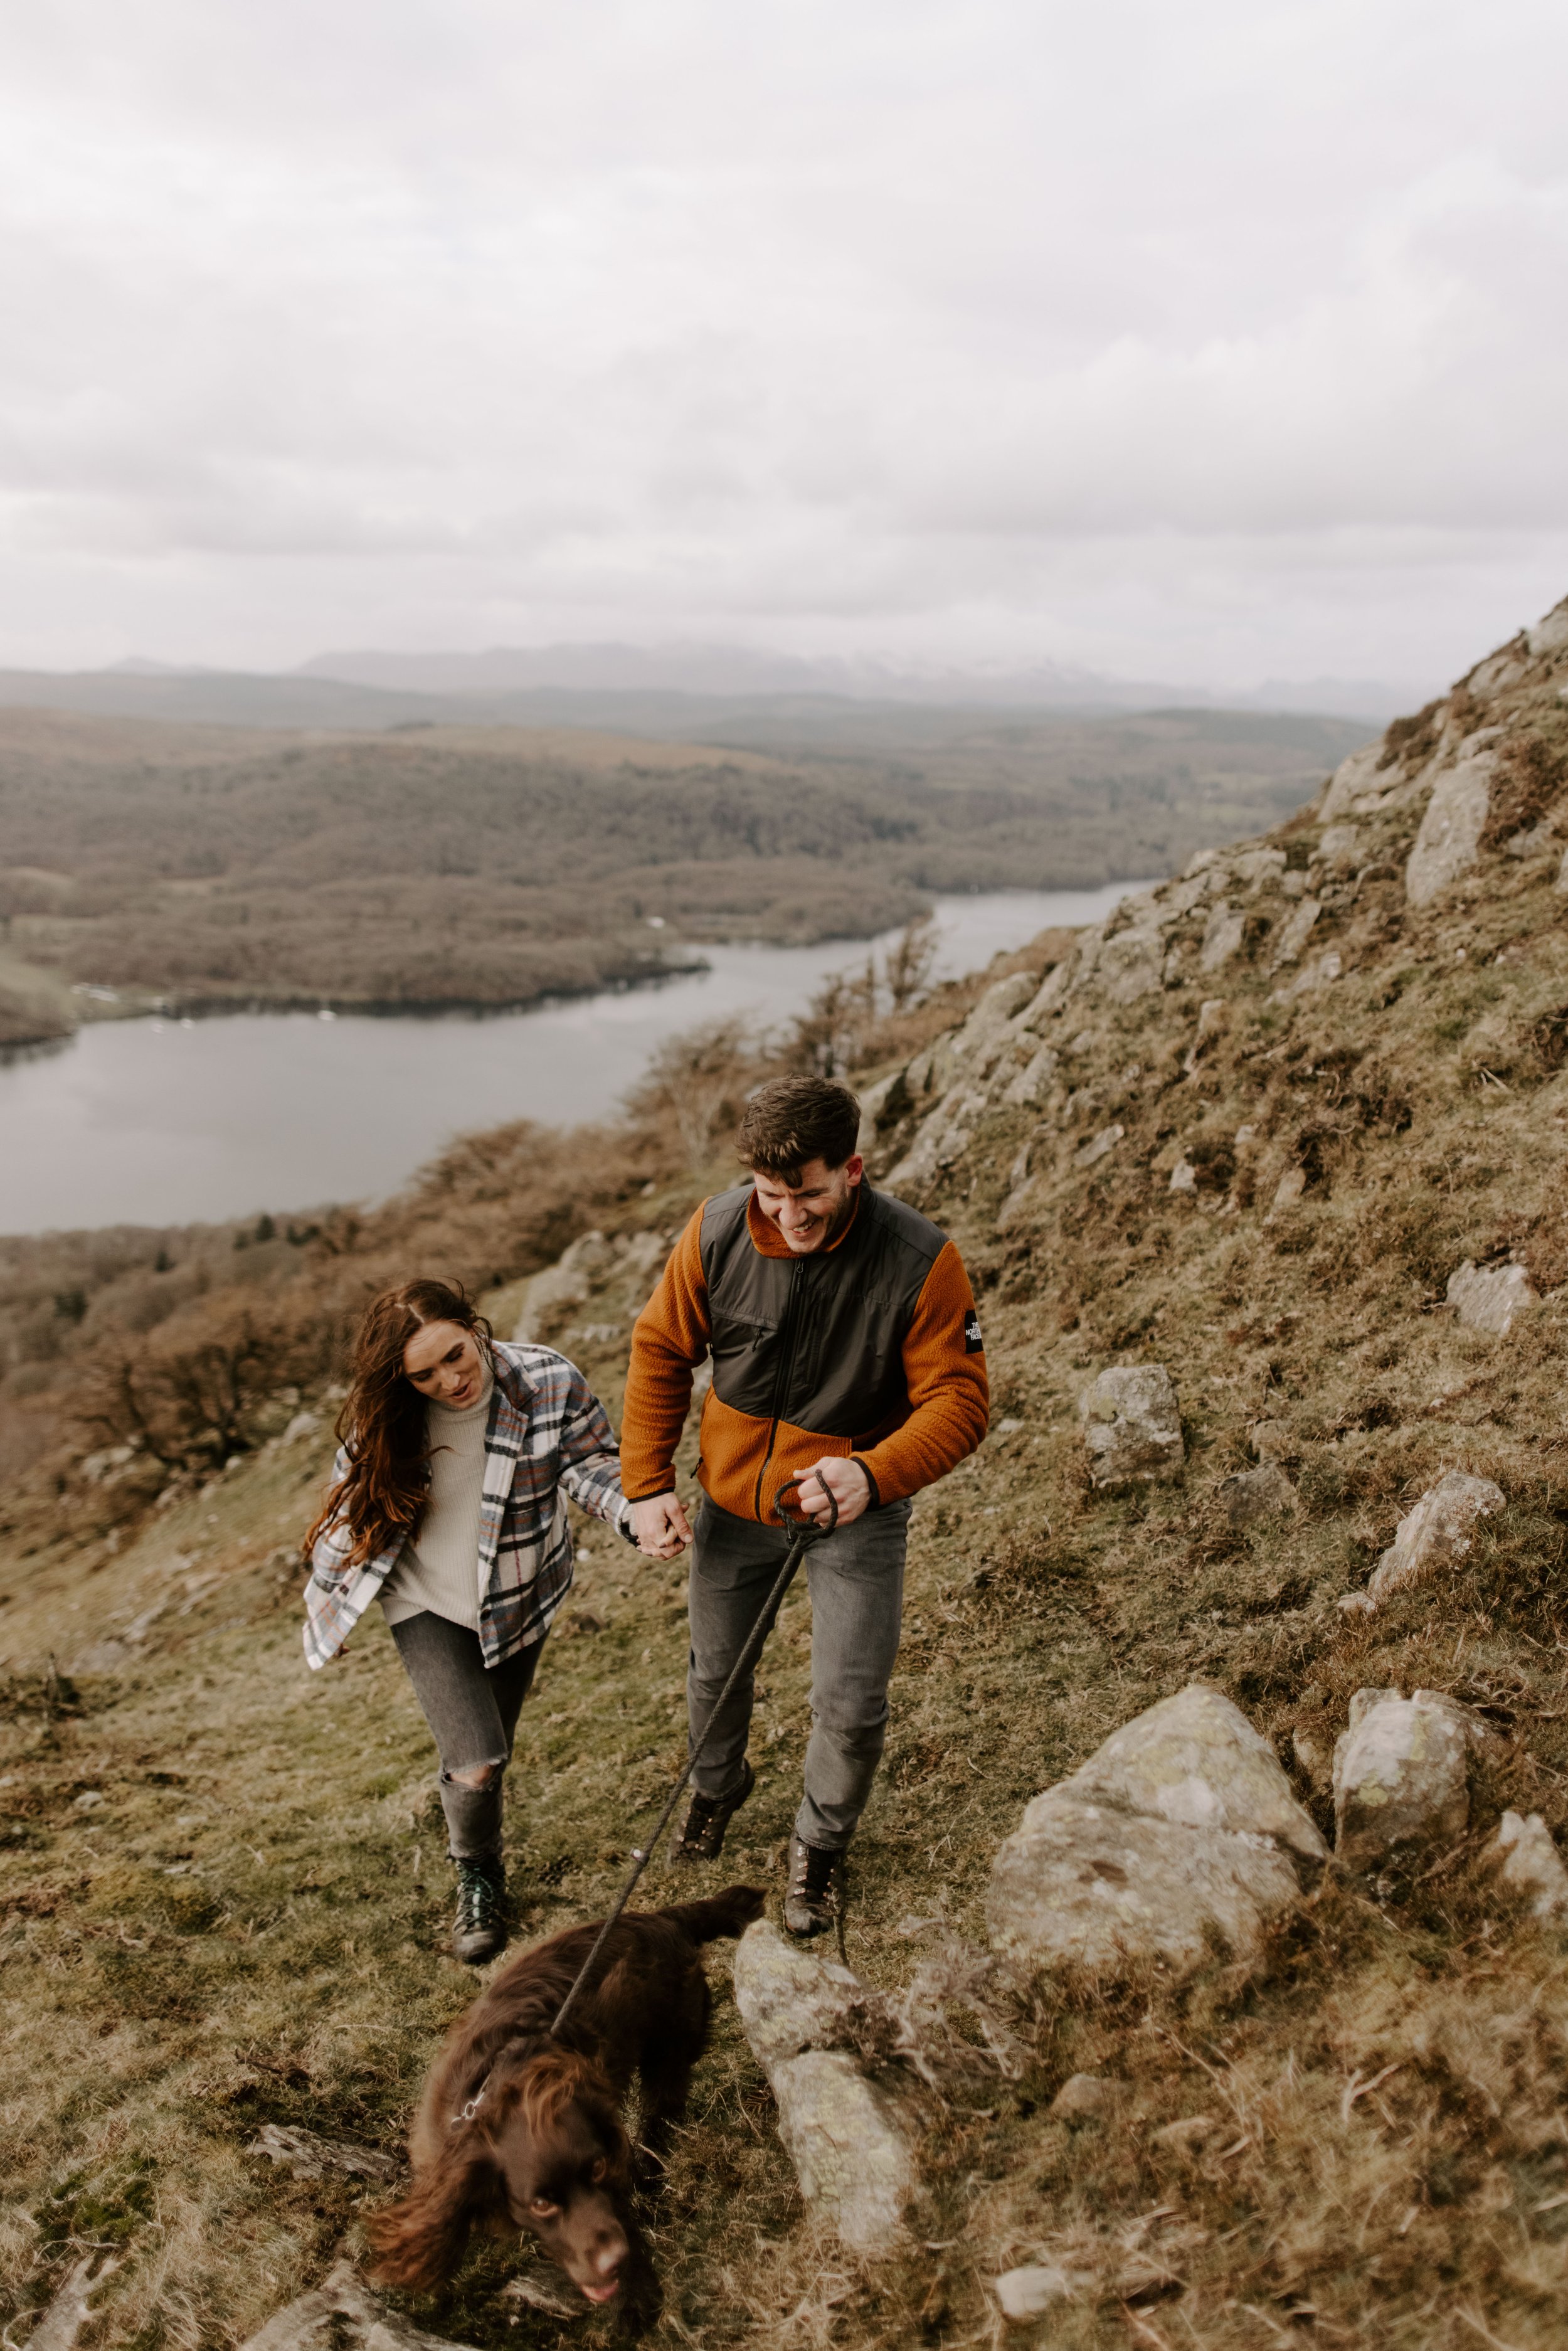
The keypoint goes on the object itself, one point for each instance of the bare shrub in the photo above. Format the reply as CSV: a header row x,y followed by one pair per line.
x,y
697,1083
191,1394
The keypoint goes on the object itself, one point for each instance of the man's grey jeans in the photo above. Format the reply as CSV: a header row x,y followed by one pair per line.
x,y
472,1709
856,1578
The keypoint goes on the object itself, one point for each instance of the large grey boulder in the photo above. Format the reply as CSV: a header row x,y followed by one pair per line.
x,y
1525,1857
1131,1426
343,2315
1181,1827
1450,838
1436,1534
1401,1778
1490,1298
851,2142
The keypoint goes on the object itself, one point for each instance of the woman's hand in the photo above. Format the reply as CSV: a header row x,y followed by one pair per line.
x,y
661,1526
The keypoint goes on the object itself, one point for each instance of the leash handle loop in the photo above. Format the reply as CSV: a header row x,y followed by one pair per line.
x,y
802,1524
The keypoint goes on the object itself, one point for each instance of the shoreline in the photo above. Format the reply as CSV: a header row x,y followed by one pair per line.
x,y
104,1014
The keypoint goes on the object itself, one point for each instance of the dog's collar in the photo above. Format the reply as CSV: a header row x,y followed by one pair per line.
x,y
471,2106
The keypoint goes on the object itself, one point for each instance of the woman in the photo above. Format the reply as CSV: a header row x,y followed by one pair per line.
x,y
446,1506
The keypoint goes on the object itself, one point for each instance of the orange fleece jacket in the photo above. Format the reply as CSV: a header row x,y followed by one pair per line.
x,y
948,1413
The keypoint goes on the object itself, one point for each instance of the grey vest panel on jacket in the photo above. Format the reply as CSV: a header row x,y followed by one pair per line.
x,y
816,1340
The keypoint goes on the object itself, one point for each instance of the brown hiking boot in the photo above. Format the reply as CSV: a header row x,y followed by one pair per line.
x,y
702,1836
816,1888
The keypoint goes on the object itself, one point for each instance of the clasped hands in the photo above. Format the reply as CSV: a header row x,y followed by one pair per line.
x,y
663,1529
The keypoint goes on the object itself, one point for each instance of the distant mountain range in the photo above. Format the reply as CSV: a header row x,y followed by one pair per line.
x,y
732,672
678,691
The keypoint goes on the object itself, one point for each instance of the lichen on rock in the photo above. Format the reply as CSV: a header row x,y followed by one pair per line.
x,y
1400,1776
852,2141
1131,1426
1180,1828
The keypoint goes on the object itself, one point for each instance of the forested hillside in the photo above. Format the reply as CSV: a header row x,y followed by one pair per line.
x,y
214,866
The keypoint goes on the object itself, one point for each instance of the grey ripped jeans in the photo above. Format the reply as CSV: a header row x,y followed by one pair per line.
x,y
472,1709
856,1578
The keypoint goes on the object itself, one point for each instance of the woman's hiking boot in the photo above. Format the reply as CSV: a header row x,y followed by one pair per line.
x,y
815,1890
479,1930
701,1838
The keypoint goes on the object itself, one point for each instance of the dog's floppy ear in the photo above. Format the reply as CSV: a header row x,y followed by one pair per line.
x,y
420,2239
554,2080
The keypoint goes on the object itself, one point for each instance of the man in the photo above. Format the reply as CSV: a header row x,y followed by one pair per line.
x,y
846,1352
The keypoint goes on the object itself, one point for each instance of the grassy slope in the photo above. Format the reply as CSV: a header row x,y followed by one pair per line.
x,y
493,866
1389,2165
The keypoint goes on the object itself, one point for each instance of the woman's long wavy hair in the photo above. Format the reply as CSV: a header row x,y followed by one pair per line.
x,y
382,1494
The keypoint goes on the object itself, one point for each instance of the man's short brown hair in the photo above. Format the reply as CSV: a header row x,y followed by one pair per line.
x,y
792,1121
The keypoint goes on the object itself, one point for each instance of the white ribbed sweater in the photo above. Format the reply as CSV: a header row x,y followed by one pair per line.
x,y
441,1576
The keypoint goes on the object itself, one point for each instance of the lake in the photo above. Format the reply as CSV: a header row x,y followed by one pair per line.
x,y
152,1122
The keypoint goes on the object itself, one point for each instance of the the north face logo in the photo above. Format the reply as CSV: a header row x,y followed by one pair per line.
x,y
973,1342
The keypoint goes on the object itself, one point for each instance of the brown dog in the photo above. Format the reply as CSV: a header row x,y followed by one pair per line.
x,y
517,2126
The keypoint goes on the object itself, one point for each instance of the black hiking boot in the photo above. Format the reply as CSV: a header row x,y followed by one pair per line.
x,y
815,1889
479,1929
708,1817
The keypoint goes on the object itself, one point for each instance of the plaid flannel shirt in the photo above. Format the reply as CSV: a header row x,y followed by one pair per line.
x,y
547,1430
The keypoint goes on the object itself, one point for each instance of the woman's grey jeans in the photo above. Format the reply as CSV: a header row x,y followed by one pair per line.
x,y
472,1709
856,1578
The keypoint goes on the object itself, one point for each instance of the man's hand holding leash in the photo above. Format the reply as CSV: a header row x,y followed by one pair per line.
x,y
845,1481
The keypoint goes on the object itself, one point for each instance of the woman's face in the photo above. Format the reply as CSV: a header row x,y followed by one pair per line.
x,y
443,1360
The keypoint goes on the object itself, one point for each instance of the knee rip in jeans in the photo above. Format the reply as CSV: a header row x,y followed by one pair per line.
x,y
477,1778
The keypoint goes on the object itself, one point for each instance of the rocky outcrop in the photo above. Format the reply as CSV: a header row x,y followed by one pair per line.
x,y
1132,1427
1549,635
343,2315
1525,1857
1437,1534
852,2142
1253,1495
1356,781
1180,1828
1450,839
592,1264
1491,1298
1401,1778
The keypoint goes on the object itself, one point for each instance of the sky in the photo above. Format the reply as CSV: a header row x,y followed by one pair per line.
x,y
1211,345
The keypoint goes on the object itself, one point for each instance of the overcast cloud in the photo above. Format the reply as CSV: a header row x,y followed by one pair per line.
x,y
1206,344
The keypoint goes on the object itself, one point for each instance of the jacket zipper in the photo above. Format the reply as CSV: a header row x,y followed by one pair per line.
x,y
781,1383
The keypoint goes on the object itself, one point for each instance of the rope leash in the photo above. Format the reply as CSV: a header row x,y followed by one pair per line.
x,y
806,1532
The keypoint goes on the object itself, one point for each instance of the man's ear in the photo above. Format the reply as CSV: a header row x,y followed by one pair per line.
x,y
854,1167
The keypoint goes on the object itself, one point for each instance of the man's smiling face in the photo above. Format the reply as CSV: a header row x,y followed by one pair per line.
x,y
809,1211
